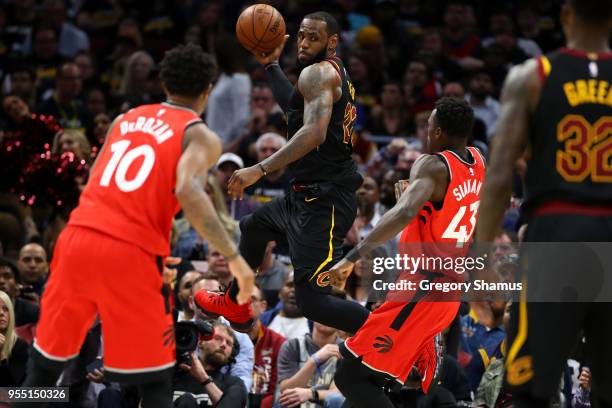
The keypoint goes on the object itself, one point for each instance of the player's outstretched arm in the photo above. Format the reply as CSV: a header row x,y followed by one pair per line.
x,y
316,83
519,97
280,85
428,181
202,149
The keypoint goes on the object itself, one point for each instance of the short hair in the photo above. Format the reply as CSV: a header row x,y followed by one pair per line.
x,y
332,27
7,263
592,11
454,116
270,136
186,70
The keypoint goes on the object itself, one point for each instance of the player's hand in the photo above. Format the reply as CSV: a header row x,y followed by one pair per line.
x,y
293,397
400,187
241,179
340,272
96,376
169,274
196,369
273,56
585,378
245,277
328,351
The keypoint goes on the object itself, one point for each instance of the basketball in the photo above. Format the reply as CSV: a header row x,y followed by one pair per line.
x,y
260,28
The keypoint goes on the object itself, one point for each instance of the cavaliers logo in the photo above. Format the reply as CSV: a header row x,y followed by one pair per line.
x,y
323,279
383,343
520,371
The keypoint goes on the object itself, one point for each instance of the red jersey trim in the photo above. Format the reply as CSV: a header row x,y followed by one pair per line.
x,y
586,55
561,207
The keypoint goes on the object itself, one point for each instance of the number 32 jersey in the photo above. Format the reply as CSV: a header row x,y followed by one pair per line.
x,y
130,192
445,229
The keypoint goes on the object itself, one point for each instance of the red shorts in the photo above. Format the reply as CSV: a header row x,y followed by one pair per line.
x,y
95,274
399,334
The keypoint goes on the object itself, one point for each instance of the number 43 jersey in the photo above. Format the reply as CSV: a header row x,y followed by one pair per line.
x,y
445,229
130,192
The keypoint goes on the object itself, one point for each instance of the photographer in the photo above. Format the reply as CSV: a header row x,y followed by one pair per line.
x,y
202,384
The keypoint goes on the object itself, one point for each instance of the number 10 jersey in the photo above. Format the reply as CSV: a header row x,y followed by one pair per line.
x,y
130,192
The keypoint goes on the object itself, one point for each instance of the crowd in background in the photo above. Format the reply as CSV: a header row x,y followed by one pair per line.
x,y
68,67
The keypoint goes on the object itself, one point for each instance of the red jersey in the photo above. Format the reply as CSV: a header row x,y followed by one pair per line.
x,y
130,192
265,371
452,223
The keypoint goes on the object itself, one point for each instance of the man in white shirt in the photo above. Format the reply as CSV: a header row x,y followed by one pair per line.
x,y
289,322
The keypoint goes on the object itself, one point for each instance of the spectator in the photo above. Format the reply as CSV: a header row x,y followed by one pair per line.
x,y
581,399
45,57
13,350
204,384
501,25
135,88
95,101
306,369
421,90
71,39
227,164
275,184
271,274
184,309
288,321
453,90
486,108
101,124
22,83
267,347
460,42
242,366
63,104
26,313
359,283
228,104
72,141
218,266
89,73
33,267
21,17
368,206
481,341
389,118
503,245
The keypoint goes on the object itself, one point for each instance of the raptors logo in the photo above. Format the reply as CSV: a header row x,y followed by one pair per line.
x,y
383,344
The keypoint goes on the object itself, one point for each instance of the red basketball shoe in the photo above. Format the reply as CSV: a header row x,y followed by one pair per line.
x,y
213,305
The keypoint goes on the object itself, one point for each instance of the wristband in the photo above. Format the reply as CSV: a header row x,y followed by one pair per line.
x,y
353,255
315,395
263,169
233,256
271,64
317,363
206,382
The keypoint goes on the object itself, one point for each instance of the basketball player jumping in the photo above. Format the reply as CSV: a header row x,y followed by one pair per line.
x,y
108,260
321,205
561,106
402,332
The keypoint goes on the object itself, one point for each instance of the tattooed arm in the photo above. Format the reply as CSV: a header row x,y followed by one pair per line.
x,y
201,151
428,181
320,86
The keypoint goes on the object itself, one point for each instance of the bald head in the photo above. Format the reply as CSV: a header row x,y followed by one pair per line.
x,y
33,263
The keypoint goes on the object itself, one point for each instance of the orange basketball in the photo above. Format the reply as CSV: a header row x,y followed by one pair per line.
x,y
260,28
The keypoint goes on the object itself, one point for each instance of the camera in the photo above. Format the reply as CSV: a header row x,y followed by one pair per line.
x,y
188,334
